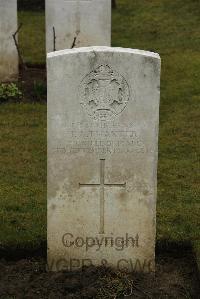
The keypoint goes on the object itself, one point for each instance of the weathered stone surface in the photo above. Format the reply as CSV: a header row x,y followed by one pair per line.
x,y
77,23
103,111
8,51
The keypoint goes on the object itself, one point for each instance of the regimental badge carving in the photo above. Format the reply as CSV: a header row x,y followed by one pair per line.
x,y
104,93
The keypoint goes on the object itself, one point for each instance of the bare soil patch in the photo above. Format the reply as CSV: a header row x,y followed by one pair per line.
x,y
176,277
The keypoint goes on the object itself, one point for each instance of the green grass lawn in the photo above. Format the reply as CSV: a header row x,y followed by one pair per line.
x,y
171,28
32,37
22,175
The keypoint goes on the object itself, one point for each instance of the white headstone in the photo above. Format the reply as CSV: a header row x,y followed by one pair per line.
x,y
77,23
103,114
8,51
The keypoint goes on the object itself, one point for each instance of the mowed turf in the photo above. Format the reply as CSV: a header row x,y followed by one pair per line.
x,y
22,175
171,28
32,37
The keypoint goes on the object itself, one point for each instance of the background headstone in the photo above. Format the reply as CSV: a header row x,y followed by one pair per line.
x,y
103,112
8,51
77,23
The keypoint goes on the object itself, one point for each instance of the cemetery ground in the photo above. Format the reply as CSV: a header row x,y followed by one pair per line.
x,y
170,28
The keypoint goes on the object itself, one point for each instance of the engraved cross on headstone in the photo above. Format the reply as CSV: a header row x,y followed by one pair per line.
x,y
102,186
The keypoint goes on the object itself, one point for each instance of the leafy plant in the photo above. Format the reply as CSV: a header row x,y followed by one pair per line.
x,y
39,90
9,91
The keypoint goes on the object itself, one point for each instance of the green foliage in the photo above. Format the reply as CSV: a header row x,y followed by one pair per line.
x,y
39,90
9,91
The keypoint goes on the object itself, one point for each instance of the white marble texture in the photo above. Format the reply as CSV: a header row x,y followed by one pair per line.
x,y
103,116
77,23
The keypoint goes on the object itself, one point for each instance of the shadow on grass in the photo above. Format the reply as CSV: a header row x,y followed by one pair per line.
x,y
14,254
163,246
